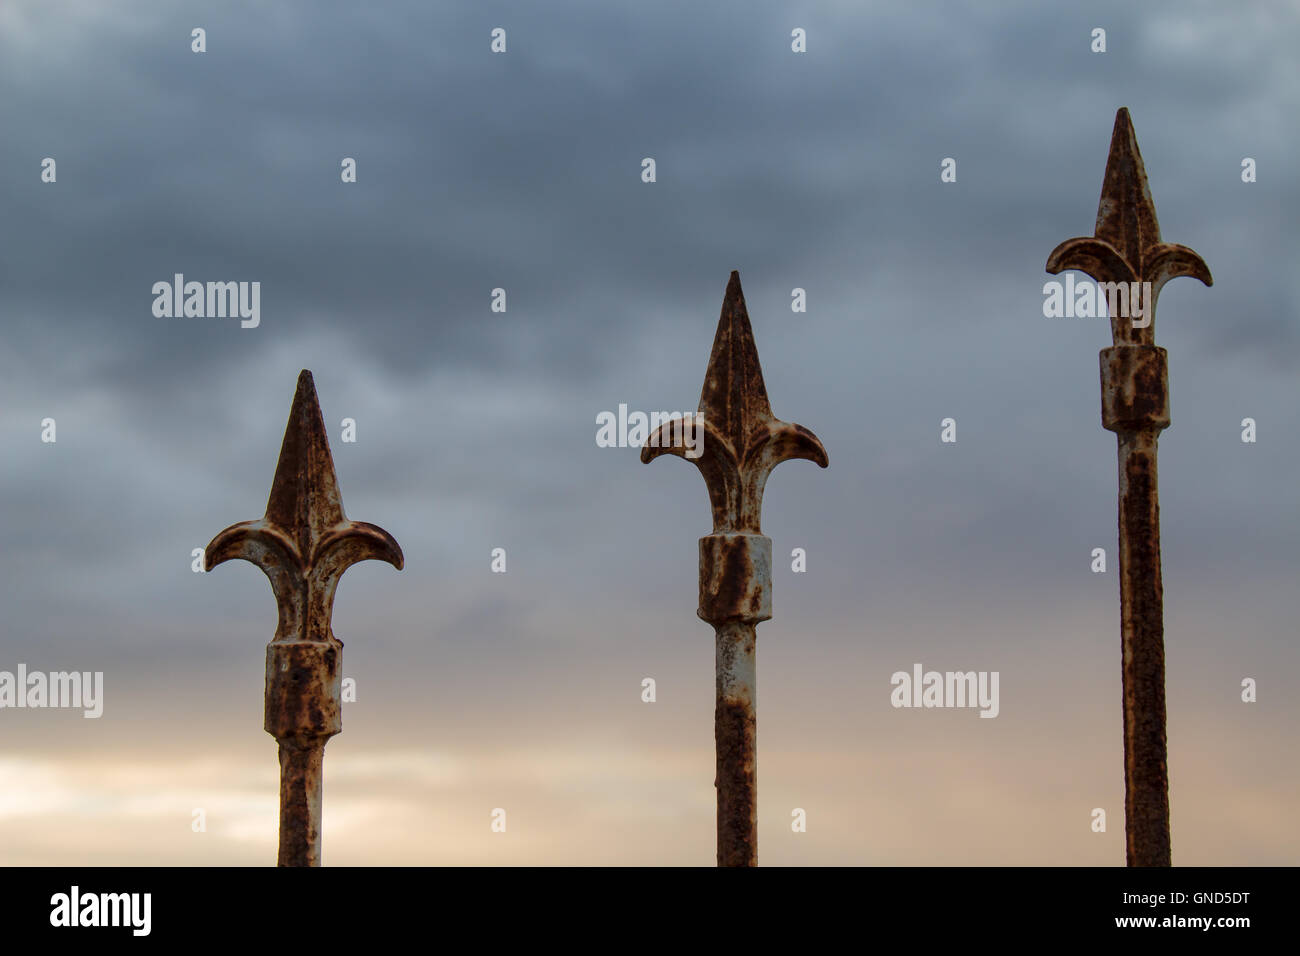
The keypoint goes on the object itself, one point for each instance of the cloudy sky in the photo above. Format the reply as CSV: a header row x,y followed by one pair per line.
x,y
476,429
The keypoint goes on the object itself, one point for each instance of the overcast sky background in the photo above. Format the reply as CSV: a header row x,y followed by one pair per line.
x,y
476,429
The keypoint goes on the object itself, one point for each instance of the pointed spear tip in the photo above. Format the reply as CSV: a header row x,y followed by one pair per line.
x,y
1123,141
305,419
1126,213
734,395
305,490
1124,145
733,299
304,400
735,335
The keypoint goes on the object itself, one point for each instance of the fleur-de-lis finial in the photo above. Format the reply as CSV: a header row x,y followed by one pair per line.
x,y
743,441
304,542
1126,244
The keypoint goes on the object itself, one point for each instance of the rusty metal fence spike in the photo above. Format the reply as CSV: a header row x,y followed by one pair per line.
x,y
304,543
1126,247
742,443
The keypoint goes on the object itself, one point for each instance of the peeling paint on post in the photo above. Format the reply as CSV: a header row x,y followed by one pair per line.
x,y
1126,247
742,442
304,543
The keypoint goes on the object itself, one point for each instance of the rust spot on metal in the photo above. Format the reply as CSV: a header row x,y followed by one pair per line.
x,y
735,733
300,802
735,578
303,543
743,442
1134,388
1126,247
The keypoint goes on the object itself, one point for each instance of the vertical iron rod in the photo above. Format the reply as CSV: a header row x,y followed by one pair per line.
x,y
301,776
735,727
1146,771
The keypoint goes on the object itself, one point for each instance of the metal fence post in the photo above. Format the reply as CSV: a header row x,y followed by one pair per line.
x,y
1126,248
304,543
739,441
